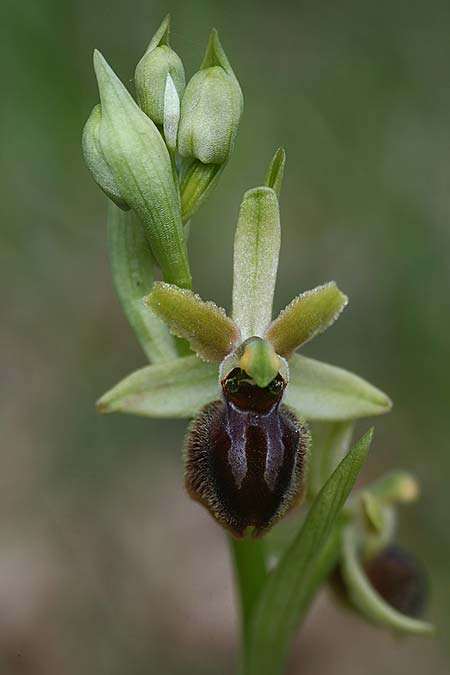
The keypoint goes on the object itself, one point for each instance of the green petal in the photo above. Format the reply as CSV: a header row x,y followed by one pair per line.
x,y
177,389
132,270
275,173
211,333
367,600
319,391
307,315
307,562
256,252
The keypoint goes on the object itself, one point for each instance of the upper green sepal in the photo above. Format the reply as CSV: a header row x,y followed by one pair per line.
x,y
140,164
211,109
307,315
95,159
151,73
255,263
211,334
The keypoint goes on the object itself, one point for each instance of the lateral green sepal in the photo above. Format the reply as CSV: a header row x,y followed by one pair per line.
x,y
179,388
320,391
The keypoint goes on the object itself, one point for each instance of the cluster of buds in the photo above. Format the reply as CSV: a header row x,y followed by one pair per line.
x,y
162,155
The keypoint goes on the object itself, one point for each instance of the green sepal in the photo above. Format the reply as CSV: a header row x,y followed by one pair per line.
x,y
307,315
320,391
211,333
256,253
179,388
211,109
293,583
366,599
95,160
139,161
151,73
275,172
132,271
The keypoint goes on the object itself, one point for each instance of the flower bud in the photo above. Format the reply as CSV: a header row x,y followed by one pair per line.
x,y
151,73
95,159
211,109
139,162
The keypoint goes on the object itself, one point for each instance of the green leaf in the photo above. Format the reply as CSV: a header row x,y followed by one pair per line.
x,y
139,161
319,391
290,587
132,270
177,389
367,600
211,333
256,252
275,173
307,315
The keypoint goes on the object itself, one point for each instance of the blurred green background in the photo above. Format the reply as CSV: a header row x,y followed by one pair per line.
x,y
106,567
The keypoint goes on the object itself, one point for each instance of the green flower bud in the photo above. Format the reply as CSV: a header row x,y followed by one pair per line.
x,y
95,160
211,109
139,162
151,74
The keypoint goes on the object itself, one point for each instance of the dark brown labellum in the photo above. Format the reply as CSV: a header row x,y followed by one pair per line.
x,y
245,455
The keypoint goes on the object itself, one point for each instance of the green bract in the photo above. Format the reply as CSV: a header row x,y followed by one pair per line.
x,y
150,77
140,164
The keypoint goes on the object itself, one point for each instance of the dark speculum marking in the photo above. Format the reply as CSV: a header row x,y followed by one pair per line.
x,y
245,455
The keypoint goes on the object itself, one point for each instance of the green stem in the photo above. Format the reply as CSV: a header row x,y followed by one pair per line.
x,y
250,571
